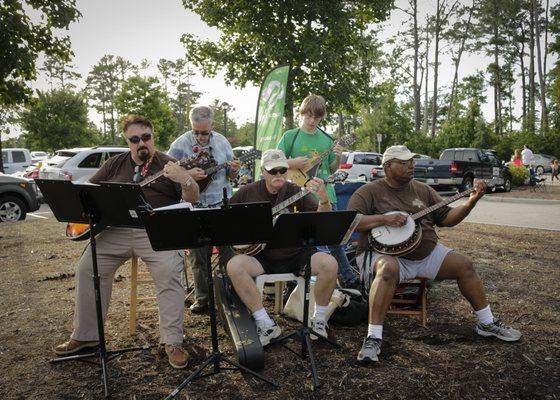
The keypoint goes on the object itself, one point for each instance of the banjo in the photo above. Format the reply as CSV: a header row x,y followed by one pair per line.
x,y
401,240
281,208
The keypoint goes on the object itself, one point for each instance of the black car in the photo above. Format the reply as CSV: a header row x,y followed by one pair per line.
x,y
18,196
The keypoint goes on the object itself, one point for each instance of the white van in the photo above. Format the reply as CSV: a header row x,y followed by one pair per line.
x,y
15,160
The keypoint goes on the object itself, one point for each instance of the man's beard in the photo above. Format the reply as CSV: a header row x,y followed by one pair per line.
x,y
143,153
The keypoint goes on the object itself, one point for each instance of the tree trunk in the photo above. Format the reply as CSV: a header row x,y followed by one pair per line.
x,y
532,90
458,61
416,89
436,61
544,113
497,83
425,124
523,81
340,124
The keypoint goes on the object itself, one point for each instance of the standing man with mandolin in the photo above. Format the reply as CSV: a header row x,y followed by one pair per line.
x,y
116,245
311,152
202,138
391,258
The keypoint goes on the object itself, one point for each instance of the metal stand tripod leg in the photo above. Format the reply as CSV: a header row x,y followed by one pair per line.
x,y
104,355
304,332
217,356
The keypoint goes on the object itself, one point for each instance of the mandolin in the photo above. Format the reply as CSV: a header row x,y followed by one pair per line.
x,y
211,168
78,231
301,177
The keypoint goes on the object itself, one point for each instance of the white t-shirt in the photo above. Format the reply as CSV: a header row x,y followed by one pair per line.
x,y
526,156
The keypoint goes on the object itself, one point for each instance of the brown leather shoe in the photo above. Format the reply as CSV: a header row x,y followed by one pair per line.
x,y
73,346
178,357
198,307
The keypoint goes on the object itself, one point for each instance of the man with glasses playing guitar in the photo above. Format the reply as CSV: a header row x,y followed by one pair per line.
x,y
116,245
202,137
242,268
403,247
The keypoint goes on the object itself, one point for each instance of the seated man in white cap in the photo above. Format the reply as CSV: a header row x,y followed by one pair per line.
x,y
398,191
242,269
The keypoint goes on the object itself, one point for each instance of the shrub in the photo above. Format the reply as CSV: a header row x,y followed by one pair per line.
x,y
518,175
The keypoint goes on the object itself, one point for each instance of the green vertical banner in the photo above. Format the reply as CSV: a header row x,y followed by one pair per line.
x,y
270,111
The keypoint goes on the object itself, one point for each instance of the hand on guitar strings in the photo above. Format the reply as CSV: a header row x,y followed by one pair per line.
x,y
337,150
302,163
197,173
317,186
175,172
395,220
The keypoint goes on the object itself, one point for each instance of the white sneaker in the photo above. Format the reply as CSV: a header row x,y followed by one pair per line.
x,y
267,332
319,327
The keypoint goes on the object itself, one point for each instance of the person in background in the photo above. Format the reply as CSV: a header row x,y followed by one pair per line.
x,y
526,156
554,167
202,137
516,158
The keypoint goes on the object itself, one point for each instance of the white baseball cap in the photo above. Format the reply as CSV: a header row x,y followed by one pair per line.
x,y
399,152
274,159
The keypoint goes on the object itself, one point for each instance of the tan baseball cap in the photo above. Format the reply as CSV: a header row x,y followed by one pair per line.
x,y
399,152
274,159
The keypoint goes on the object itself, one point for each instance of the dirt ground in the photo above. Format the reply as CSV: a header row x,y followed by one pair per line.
x,y
444,360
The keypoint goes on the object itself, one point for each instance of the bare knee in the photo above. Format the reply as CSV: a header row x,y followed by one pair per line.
x,y
327,265
235,267
387,269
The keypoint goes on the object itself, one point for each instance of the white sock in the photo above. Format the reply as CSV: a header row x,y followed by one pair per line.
x,y
375,330
320,312
485,315
262,315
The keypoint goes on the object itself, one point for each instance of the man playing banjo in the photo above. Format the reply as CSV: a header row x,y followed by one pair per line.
x,y
381,272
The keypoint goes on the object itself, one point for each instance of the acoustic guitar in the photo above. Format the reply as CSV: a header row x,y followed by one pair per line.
x,y
78,231
281,208
210,168
301,177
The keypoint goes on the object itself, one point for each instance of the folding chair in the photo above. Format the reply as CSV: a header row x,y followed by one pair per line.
x,y
536,182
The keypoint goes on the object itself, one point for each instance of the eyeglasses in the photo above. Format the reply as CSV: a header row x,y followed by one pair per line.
x,y
201,133
276,171
146,137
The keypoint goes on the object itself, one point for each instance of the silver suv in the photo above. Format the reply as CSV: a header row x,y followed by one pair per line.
x,y
78,164
358,164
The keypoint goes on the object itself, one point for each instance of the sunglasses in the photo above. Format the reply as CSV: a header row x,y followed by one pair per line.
x,y
146,137
276,171
201,133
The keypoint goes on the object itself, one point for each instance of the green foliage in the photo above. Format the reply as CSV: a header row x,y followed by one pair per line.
x,y
23,38
329,45
57,119
245,134
518,175
145,96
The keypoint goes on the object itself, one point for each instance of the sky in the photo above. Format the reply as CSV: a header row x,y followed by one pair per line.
x,y
150,29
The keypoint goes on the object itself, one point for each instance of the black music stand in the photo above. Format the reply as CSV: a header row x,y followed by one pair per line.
x,y
107,204
246,223
310,229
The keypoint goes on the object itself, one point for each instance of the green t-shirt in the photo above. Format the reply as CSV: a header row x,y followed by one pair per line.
x,y
310,146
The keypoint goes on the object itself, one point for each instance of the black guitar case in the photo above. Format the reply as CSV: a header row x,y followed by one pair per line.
x,y
239,324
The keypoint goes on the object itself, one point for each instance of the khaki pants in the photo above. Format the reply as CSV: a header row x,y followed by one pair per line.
x,y
114,247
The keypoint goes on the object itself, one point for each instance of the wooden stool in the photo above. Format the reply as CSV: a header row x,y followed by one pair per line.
x,y
412,307
136,278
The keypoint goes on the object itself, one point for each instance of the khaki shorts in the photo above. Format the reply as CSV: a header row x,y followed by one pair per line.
x,y
427,267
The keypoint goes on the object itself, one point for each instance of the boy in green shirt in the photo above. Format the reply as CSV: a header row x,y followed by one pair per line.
x,y
303,146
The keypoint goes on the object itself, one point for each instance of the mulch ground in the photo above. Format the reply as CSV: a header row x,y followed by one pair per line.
x,y
444,360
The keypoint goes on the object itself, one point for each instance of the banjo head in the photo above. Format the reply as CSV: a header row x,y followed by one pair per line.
x,y
393,235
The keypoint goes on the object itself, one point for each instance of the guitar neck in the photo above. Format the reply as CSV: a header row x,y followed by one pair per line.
x,y
445,202
151,178
280,206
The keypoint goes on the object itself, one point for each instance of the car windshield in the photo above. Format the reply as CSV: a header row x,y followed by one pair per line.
x,y
60,158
